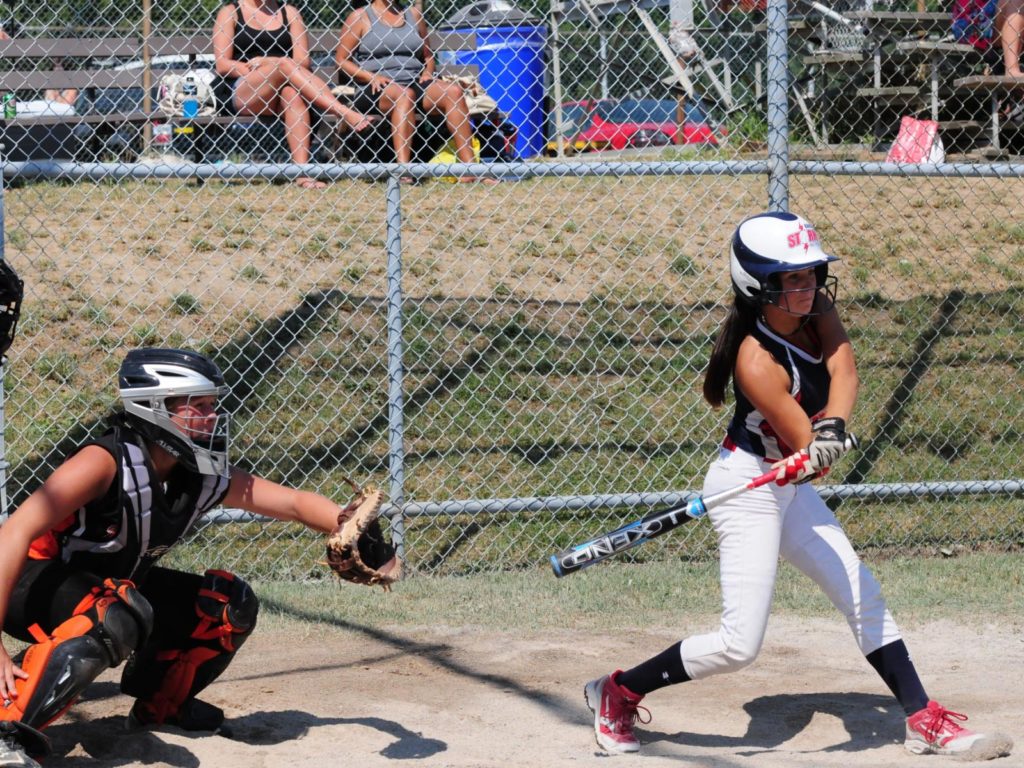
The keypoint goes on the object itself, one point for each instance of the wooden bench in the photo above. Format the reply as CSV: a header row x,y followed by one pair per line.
x,y
888,25
35,65
995,87
933,54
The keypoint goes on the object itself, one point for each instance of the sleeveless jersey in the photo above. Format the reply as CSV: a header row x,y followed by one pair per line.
x,y
251,42
395,52
810,379
123,533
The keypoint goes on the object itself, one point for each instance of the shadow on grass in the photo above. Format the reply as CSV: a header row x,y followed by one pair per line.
x,y
917,367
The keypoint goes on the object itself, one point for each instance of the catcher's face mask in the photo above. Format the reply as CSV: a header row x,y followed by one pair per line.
x,y
195,416
199,421
170,397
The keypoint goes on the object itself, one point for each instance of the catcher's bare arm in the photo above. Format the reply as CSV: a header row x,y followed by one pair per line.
x,y
263,497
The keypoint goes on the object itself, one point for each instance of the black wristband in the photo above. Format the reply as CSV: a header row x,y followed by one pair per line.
x,y
830,424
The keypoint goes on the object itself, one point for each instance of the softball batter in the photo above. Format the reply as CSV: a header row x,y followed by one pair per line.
x,y
795,384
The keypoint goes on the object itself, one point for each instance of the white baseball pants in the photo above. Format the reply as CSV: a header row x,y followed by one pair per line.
x,y
753,530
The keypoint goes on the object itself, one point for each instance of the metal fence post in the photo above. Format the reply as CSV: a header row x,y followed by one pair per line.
x,y
396,426
778,106
4,464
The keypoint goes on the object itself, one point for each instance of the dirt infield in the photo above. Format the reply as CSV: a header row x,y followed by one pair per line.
x,y
445,696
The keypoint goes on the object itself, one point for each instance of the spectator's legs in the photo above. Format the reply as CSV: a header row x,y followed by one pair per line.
x,y
298,132
397,102
255,93
1009,24
448,99
67,96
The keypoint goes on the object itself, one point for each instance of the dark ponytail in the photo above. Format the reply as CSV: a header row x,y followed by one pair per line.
x,y
738,324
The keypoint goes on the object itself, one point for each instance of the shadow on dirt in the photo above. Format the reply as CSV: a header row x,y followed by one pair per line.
x,y
871,722
106,738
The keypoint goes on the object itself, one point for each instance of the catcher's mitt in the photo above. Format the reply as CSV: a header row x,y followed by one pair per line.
x,y
357,550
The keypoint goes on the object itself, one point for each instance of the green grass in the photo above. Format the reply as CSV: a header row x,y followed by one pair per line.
x,y
185,304
973,588
520,380
528,403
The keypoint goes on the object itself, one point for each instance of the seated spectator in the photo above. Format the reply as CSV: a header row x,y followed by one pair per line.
x,y
1010,29
994,27
383,47
54,101
261,48
65,96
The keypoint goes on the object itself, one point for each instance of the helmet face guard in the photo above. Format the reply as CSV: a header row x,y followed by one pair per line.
x,y
770,244
154,383
12,291
205,452
826,286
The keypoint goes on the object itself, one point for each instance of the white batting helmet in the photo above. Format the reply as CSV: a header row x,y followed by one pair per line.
x,y
769,244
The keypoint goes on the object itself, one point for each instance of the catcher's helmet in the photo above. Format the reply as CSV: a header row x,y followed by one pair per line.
x,y
768,244
150,376
12,290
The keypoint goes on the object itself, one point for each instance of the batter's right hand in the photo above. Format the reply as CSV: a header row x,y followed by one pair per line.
x,y
9,671
796,468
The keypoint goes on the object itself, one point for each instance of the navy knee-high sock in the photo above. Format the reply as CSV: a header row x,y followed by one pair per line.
x,y
893,663
658,671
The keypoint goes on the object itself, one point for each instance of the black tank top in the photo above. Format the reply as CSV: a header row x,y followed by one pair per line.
x,y
250,42
810,378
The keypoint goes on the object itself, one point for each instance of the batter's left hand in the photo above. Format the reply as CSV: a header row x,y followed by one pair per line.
x,y
830,442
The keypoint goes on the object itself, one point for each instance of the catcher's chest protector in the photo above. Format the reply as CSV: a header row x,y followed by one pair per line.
x,y
124,533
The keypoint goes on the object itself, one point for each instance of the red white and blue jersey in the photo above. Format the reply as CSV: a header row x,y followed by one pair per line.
x,y
749,430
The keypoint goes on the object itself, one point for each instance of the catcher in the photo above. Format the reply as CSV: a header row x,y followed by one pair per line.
x,y
79,578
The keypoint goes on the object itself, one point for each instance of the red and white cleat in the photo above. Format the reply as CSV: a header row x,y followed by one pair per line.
x,y
615,710
936,730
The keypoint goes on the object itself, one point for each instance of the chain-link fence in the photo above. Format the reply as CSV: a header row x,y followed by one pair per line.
x,y
518,363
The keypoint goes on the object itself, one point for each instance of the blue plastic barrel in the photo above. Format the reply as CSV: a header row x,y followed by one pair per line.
x,y
510,60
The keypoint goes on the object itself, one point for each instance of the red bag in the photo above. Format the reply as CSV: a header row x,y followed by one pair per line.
x,y
917,142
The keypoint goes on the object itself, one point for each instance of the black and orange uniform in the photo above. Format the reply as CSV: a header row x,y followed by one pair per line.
x,y
197,621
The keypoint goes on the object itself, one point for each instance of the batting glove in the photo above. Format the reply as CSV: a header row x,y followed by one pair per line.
x,y
796,469
829,444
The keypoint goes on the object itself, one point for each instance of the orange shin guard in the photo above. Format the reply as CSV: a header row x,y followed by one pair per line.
x,y
177,683
105,627
226,610
59,668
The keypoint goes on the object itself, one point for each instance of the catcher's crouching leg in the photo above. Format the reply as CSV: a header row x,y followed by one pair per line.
x,y
105,627
166,681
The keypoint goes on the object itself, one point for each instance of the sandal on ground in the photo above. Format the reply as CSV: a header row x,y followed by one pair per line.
x,y
307,183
